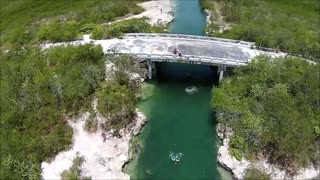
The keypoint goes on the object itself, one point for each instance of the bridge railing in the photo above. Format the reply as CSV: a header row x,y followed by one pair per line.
x,y
185,36
189,59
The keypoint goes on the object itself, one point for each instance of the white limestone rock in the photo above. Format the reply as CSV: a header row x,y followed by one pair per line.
x,y
238,168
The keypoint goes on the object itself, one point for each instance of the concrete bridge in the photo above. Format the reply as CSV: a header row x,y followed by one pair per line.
x,y
153,47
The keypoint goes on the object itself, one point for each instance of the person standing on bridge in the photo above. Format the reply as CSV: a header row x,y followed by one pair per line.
x,y
175,51
180,53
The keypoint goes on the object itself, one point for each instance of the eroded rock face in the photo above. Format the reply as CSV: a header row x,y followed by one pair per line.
x,y
140,121
238,168
104,156
232,164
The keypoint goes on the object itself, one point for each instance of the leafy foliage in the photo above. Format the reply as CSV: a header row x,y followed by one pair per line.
x,y
38,88
273,108
117,103
289,25
59,31
74,173
117,29
255,174
57,20
117,97
126,70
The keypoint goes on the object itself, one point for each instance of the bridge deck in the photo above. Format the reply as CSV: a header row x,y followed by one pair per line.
x,y
191,49
195,49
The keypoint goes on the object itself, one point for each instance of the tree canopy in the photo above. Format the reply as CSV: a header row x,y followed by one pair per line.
x,y
117,97
273,106
33,21
289,25
38,89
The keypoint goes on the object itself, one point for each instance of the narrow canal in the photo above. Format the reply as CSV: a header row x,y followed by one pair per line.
x,y
180,123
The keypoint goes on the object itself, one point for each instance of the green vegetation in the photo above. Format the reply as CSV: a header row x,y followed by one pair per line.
x,y
273,109
236,145
74,173
38,90
289,25
41,88
255,174
21,20
117,29
59,31
117,103
206,4
118,97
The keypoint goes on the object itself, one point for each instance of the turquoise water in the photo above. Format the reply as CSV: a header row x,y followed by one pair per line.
x,y
188,18
178,122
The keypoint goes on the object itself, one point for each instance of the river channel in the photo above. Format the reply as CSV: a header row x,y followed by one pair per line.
x,y
181,123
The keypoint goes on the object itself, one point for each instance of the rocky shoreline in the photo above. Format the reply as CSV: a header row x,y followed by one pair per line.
x,y
157,11
104,154
238,168
215,17
104,157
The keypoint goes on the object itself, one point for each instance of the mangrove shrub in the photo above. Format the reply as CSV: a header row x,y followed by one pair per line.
x,y
273,107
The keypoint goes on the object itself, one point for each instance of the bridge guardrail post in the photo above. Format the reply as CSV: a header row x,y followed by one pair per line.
x,y
149,62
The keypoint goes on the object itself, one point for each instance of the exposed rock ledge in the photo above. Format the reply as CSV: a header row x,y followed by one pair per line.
x,y
103,160
157,11
238,168
215,16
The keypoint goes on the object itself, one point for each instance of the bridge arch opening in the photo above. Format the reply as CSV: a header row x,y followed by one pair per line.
x,y
170,71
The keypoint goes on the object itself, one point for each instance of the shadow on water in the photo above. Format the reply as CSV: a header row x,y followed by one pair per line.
x,y
190,73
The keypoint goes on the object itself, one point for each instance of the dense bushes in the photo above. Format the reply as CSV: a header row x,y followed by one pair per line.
x,y
74,172
59,31
38,89
255,174
273,108
291,26
57,20
117,97
117,29
117,103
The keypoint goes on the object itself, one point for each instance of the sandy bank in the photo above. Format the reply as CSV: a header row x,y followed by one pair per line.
x,y
103,160
158,12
